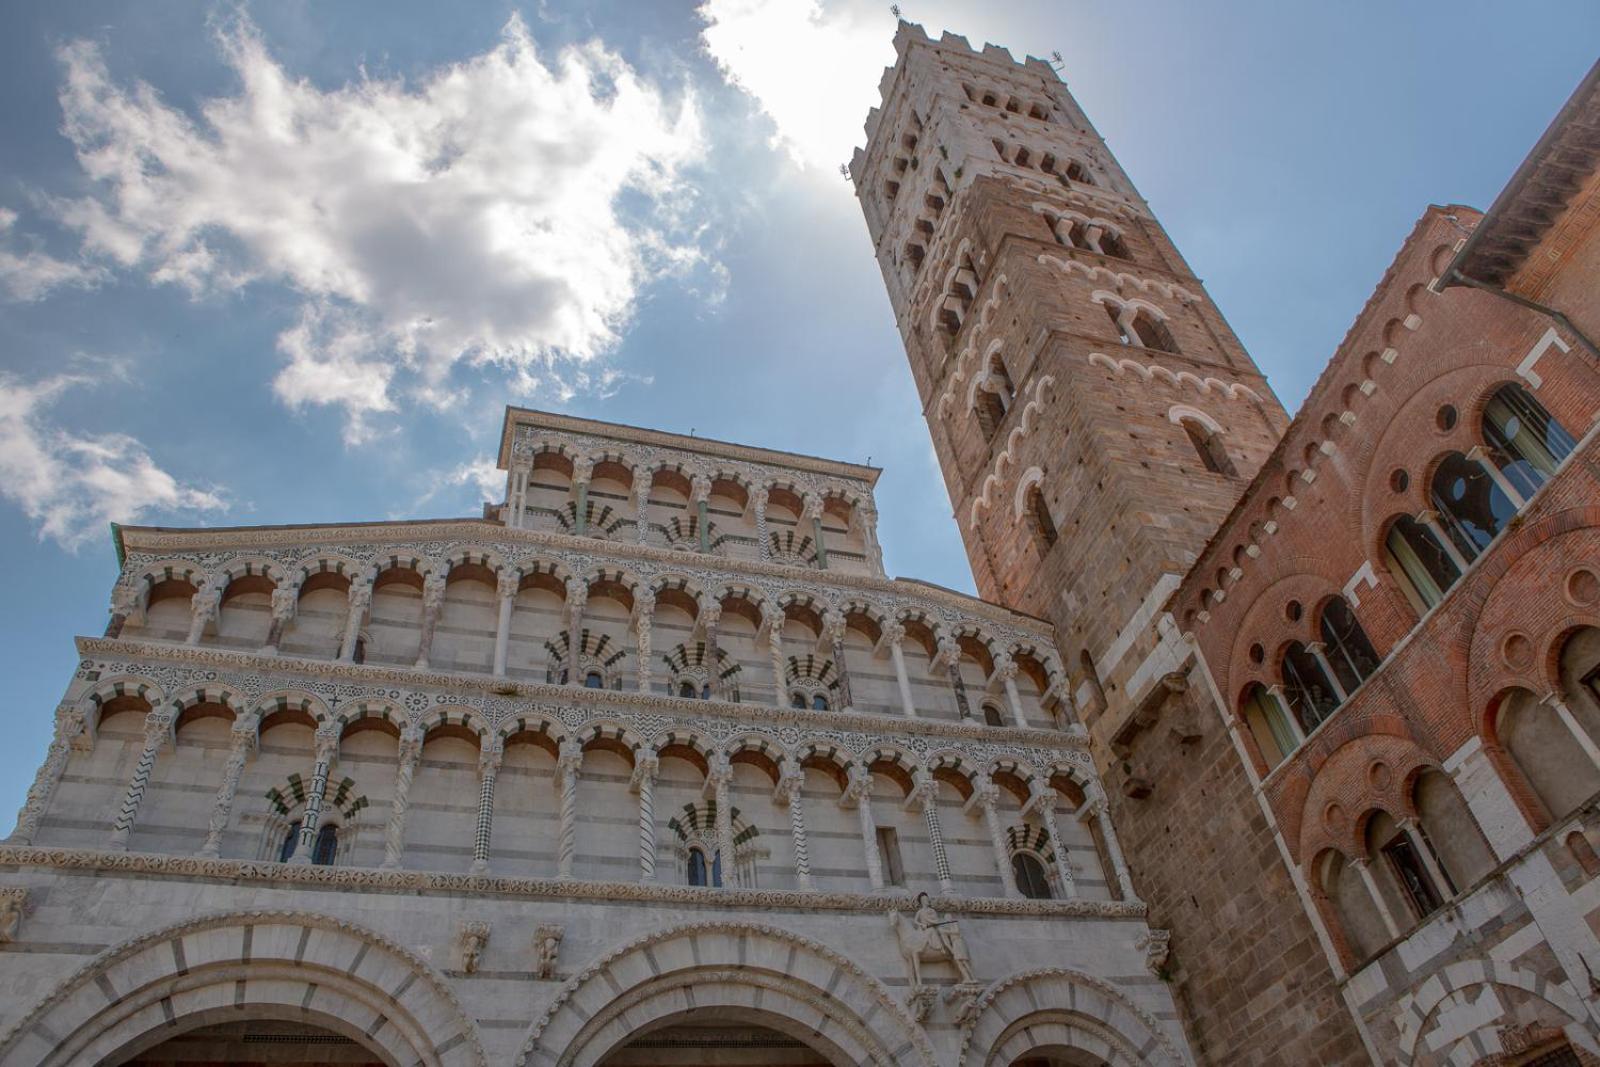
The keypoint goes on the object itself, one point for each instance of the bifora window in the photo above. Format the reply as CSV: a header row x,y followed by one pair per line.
x,y
1031,879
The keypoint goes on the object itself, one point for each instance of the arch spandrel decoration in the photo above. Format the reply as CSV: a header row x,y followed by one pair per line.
x,y
794,982
1054,1006
161,984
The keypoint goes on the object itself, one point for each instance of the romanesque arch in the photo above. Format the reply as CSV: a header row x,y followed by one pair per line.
x,y
740,971
1462,985
1055,1008
262,964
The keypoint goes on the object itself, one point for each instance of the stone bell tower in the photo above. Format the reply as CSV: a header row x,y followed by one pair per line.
x,y
1095,419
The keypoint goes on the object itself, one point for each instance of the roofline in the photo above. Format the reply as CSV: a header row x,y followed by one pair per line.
x,y
709,445
1456,271
120,530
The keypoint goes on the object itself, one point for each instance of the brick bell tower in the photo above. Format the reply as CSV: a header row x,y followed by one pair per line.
x,y
1096,419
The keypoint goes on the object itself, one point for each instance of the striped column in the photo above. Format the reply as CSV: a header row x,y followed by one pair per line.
x,y
758,502
926,793
157,732
720,778
988,797
488,770
311,818
394,832
567,764
244,739
646,764
1045,800
70,728
791,780
780,680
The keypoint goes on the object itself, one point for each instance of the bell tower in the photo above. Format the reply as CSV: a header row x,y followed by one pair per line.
x,y
1094,415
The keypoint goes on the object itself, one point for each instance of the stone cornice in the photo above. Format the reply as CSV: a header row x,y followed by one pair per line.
x,y
705,446
756,716
257,872
482,532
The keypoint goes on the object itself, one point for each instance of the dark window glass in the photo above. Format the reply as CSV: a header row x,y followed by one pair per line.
x,y
1030,876
1309,693
991,715
593,680
327,846
819,702
1472,509
1412,876
290,839
1349,651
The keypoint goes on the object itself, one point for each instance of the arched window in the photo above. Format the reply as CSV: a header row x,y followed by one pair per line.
x,y
1140,327
327,846
686,690
701,872
1399,853
1208,445
1472,509
1419,563
705,691
994,396
991,714
1525,441
1112,245
1039,520
1076,172
797,699
1269,725
593,680
1348,649
1307,688
819,702
290,840
1030,876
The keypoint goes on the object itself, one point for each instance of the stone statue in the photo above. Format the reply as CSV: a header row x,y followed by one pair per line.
x,y
546,949
472,938
11,901
928,937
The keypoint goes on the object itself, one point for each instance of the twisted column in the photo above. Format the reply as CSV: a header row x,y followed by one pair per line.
x,y
127,605
1044,798
1108,834
791,780
833,626
432,600
646,765
711,616
244,740
644,609
895,634
488,769
858,791
773,619
205,606
285,601
567,764
949,655
812,509
582,471
987,796
1006,668
641,503
758,501
310,819
926,794
71,731
719,778
700,497
158,726
577,597
507,584
394,831
360,597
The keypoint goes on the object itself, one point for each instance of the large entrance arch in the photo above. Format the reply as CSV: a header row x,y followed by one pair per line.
x,y
743,973
1056,1017
728,1039
313,1041
265,966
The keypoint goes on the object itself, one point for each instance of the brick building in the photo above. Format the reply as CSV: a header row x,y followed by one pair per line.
x,y
1341,674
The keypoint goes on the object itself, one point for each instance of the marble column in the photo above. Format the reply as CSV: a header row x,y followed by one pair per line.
x,y
507,585
644,609
567,765
895,635
791,783
489,757
646,765
1364,869
206,607
1044,799
926,795
812,510
244,735
1319,652
719,780
949,656
773,619
758,502
869,535
833,627
127,606
1574,727
285,602
582,472
1108,834
641,504
158,726
1479,456
517,493
858,793
700,498
360,598
711,620
1006,668
1413,831
577,598
71,731
1430,519
987,796
394,832
433,587
327,750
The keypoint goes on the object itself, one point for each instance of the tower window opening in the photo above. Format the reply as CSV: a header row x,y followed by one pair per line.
x,y
1039,520
1209,447
1047,163
1000,149
991,714
1076,172
1023,157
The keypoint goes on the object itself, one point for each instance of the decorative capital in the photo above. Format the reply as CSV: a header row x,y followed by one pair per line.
x,y
489,756
577,594
759,497
284,601
858,785
986,795
1005,668
582,470
699,489
327,741
644,607
833,625
894,633
12,902
646,765
948,654
360,592
570,758
791,778
811,507
719,771
207,599
127,599
158,726
433,589
508,582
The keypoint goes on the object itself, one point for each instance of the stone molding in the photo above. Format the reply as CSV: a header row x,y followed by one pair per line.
x,y
467,884
439,539
503,700
999,986
885,1000
84,974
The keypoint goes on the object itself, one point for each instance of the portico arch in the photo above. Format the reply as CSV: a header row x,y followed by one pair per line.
x,y
739,971
261,964
1065,1014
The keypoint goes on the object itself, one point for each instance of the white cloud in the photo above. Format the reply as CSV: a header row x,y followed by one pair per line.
x,y
72,485
814,71
29,274
486,480
499,210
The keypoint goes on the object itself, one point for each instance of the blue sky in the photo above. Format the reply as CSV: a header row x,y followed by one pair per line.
x,y
287,262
